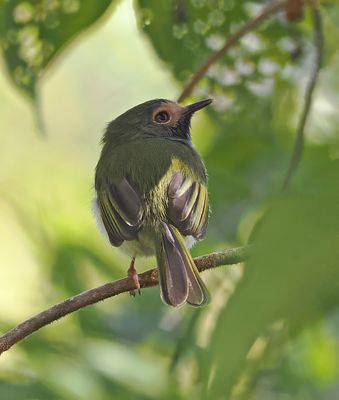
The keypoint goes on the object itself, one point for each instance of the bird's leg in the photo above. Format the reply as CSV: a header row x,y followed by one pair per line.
x,y
132,274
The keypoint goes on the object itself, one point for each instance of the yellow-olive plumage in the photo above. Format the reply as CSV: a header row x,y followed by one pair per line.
x,y
152,193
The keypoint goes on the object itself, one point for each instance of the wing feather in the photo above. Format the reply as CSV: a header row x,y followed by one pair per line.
x,y
188,205
121,211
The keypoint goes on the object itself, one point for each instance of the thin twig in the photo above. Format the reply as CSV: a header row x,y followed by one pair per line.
x,y
110,289
270,9
300,138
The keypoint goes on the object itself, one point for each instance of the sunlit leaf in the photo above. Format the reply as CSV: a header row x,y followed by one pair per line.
x,y
32,32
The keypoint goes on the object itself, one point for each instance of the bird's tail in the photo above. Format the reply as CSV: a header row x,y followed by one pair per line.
x,y
180,281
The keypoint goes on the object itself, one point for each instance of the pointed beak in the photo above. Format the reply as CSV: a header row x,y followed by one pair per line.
x,y
192,108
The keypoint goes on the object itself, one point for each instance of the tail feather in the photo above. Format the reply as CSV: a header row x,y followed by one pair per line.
x,y
180,281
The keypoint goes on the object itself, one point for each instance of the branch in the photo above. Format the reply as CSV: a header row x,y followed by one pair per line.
x,y
299,142
110,289
270,9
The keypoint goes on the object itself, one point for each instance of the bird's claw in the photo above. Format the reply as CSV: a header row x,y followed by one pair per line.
x,y
133,292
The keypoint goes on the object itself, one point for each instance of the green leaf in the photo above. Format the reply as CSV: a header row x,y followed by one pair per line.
x,y
32,32
185,33
291,276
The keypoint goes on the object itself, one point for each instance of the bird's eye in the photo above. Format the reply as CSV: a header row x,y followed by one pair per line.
x,y
162,117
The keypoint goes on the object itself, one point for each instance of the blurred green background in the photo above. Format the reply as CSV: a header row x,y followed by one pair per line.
x,y
272,329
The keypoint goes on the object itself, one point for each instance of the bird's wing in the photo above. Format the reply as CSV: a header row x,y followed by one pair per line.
x,y
188,205
121,211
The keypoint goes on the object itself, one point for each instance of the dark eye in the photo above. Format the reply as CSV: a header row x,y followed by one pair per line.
x,y
162,117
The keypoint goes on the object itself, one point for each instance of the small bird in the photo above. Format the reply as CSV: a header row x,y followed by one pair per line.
x,y
151,194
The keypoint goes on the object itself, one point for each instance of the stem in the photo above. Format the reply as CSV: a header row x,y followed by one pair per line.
x,y
300,138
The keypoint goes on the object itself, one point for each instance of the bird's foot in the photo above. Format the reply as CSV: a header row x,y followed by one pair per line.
x,y
132,274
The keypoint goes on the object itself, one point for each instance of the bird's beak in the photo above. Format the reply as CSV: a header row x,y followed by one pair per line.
x,y
192,108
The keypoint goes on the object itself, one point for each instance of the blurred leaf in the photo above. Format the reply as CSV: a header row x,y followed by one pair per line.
x,y
187,340
32,32
185,33
245,165
20,390
292,275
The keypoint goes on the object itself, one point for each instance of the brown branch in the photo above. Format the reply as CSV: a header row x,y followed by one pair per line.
x,y
110,289
299,142
270,9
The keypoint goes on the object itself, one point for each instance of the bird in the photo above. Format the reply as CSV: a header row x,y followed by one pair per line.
x,y
152,197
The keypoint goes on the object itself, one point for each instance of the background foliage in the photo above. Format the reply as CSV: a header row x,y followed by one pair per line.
x,y
272,328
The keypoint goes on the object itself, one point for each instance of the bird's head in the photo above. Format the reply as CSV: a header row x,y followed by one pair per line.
x,y
154,118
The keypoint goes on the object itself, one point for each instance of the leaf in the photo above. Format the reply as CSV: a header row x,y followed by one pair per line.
x,y
185,33
32,33
291,276
245,165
